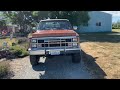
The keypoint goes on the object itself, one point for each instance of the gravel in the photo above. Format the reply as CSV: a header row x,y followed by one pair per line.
x,y
58,67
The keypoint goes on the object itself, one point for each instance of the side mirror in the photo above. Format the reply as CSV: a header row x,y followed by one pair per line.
x,y
75,27
34,29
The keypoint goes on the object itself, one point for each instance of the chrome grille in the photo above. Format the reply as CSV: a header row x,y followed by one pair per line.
x,y
54,42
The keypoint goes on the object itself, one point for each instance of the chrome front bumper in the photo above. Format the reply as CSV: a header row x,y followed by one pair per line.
x,y
46,51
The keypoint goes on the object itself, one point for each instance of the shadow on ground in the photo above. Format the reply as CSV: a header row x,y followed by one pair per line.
x,y
92,66
61,67
100,37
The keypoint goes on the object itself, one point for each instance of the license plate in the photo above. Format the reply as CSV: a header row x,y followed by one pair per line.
x,y
54,52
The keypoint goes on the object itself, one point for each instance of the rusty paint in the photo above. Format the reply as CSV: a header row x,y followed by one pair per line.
x,y
54,33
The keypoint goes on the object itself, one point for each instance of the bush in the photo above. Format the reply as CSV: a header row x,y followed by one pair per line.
x,y
13,44
22,40
19,51
4,69
25,45
3,37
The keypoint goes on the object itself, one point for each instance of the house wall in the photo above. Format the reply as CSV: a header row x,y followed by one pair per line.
x,y
97,16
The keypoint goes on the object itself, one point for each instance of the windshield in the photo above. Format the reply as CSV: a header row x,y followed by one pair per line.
x,y
54,25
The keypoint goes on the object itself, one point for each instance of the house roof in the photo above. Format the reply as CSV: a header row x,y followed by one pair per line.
x,y
100,12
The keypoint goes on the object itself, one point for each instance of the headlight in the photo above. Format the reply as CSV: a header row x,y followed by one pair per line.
x,y
34,40
74,44
34,45
75,40
39,45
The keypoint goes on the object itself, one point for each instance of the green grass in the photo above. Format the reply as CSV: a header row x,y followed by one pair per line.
x,y
19,49
14,40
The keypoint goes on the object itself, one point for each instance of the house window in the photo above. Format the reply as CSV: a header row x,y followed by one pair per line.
x,y
98,24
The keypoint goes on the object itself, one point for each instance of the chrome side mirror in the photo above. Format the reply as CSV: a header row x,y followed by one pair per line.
x,y
34,29
75,27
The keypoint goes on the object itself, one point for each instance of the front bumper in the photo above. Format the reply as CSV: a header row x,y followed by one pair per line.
x,y
46,51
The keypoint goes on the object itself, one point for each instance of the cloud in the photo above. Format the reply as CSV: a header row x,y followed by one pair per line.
x,y
114,13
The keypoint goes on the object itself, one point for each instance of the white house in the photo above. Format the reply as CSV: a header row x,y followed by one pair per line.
x,y
99,22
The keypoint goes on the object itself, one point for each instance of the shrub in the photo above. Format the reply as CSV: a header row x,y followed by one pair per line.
x,y
13,44
25,45
22,40
4,68
0,47
3,53
19,51
3,37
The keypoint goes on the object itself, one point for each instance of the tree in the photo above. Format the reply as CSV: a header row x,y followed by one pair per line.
x,y
116,25
75,17
39,15
2,23
31,18
20,18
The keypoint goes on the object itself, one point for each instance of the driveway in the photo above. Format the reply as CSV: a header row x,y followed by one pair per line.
x,y
60,67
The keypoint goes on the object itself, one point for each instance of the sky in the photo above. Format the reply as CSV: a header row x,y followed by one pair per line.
x,y
115,15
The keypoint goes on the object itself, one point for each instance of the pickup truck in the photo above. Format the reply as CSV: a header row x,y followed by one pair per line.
x,y
54,37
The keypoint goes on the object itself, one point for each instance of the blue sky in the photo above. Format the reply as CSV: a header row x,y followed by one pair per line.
x,y
115,15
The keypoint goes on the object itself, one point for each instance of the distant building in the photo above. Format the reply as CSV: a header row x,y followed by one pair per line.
x,y
99,22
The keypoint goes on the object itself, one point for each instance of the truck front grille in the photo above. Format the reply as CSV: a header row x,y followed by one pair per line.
x,y
40,41
54,42
58,42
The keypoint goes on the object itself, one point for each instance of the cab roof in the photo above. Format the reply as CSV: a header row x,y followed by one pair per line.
x,y
55,20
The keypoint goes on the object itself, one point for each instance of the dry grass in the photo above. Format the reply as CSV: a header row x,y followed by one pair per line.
x,y
104,61
115,30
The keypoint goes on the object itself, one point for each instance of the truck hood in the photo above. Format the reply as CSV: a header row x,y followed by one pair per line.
x,y
53,33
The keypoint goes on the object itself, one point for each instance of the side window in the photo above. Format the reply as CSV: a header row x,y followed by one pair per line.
x,y
98,24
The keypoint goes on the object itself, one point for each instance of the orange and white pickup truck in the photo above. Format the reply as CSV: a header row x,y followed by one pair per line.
x,y
54,37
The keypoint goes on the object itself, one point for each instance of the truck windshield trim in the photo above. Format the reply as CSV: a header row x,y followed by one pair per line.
x,y
54,25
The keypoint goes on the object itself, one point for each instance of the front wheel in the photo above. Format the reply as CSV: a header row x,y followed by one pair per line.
x,y
76,58
34,59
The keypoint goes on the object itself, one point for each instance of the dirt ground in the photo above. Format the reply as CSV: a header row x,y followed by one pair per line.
x,y
60,67
100,60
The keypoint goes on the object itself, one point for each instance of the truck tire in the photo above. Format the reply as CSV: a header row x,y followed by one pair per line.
x,y
76,58
34,59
